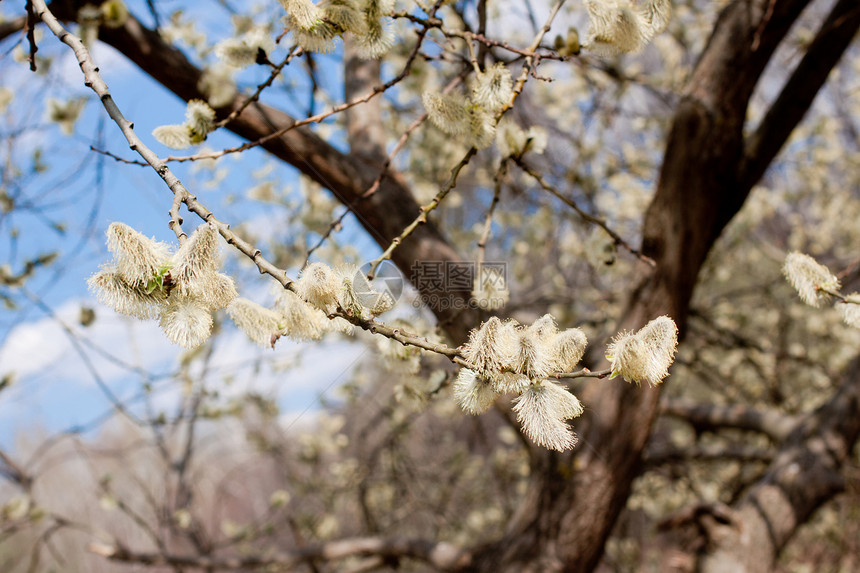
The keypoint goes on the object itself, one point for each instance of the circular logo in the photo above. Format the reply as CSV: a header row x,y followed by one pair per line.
x,y
383,291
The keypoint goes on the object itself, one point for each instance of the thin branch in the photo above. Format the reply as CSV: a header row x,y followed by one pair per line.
x,y
665,454
488,220
833,38
528,66
424,210
255,97
318,118
588,218
469,36
442,556
709,417
31,38
118,158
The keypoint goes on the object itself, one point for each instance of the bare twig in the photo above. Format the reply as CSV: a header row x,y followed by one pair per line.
x,y
276,71
528,66
443,556
600,222
313,118
31,37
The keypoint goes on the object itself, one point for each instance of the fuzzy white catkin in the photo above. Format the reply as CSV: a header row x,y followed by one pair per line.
x,y
320,286
199,119
494,88
530,356
472,393
300,320
482,127
656,15
482,350
448,112
379,35
260,324
113,291
622,26
808,277
235,52
194,272
377,38
172,136
303,14
318,39
186,322
138,258
645,355
628,357
544,328
850,310
542,410
510,382
345,15
660,337
567,349
243,51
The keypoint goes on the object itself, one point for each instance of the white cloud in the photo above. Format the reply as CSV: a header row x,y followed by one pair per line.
x,y
43,346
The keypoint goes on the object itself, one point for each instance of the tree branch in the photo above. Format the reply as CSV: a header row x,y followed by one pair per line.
x,y
664,454
805,473
443,556
12,26
711,417
833,38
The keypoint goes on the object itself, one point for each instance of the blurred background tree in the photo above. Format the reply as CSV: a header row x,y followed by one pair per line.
x,y
670,180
